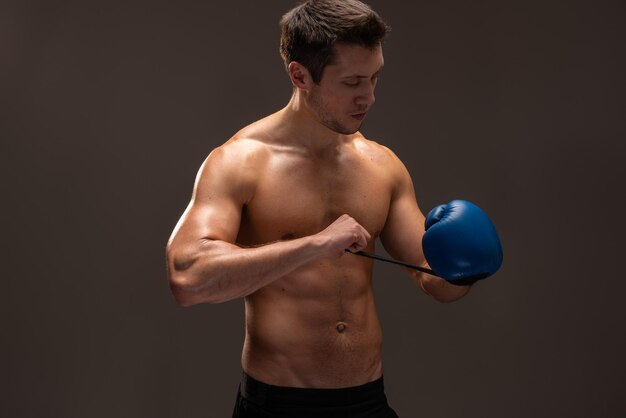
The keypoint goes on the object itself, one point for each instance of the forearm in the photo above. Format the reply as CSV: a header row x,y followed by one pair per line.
x,y
218,271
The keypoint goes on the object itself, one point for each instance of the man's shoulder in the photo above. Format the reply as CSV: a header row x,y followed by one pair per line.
x,y
232,168
253,139
246,146
242,147
235,162
375,151
382,159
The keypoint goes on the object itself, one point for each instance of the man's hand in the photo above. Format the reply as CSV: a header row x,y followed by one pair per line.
x,y
343,234
461,243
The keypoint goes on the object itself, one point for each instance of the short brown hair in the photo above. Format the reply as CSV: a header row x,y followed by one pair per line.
x,y
309,31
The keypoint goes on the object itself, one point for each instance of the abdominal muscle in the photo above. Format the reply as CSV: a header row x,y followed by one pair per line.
x,y
315,328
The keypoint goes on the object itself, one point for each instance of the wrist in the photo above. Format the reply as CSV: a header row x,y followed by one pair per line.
x,y
317,244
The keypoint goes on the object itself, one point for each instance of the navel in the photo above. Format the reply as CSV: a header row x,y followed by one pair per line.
x,y
341,327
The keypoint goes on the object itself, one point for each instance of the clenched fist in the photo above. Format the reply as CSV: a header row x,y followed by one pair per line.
x,y
343,234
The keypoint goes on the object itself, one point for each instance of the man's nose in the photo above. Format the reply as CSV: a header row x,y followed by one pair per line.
x,y
366,96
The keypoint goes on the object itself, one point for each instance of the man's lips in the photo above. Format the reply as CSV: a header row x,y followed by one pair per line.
x,y
359,116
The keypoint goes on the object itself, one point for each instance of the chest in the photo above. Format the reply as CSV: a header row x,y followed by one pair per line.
x,y
297,196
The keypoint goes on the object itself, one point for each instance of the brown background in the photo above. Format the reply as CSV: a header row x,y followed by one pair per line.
x,y
109,107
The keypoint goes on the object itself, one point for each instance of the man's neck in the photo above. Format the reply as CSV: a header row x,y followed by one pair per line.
x,y
305,129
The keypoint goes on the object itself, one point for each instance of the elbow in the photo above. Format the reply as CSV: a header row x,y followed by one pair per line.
x,y
194,283
182,290
188,292
183,301
179,281
183,285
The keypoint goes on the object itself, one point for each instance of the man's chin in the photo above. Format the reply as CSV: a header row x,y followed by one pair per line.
x,y
344,129
348,130
357,129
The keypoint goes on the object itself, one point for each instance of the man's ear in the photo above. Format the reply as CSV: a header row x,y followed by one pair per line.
x,y
300,76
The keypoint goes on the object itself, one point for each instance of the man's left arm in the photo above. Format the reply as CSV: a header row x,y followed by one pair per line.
x,y
403,232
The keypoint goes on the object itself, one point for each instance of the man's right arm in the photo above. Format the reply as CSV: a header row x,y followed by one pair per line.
x,y
203,262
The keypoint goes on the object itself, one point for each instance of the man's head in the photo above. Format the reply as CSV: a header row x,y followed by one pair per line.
x,y
310,31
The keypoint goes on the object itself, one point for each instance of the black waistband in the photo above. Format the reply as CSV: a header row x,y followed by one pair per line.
x,y
264,394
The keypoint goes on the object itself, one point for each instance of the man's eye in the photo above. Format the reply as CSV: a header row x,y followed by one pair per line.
x,y
351,83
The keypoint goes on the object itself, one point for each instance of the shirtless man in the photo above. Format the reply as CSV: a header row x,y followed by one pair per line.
x,y
276,206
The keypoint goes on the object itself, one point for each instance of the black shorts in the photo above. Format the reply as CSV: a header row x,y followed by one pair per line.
x,y
260,400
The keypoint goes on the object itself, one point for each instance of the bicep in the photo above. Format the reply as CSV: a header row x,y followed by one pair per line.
x,y
214,212
402,238
404,228
214,219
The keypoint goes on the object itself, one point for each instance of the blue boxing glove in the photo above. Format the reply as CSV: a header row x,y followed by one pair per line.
x,y
461,244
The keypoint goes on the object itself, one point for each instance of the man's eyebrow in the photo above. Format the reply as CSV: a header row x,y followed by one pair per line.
x,y
363,76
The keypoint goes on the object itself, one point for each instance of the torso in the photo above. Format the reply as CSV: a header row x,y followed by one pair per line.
x,y
318,326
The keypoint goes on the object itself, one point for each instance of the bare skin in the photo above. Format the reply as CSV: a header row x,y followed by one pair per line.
x,y
272,213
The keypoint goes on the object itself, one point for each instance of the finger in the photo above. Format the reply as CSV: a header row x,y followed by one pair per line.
x,y
354,248
359,241
367,235
363,232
